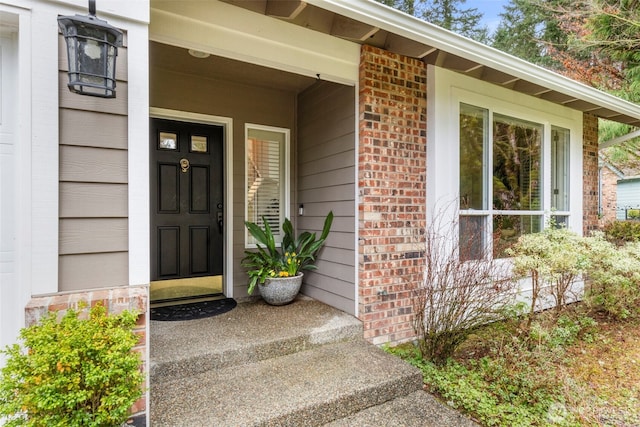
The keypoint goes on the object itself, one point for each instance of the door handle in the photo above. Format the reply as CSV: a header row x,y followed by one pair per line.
x,y
220,222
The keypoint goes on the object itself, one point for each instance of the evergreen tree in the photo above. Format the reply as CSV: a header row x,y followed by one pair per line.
x,y
446,14
527,30
406,6
451,15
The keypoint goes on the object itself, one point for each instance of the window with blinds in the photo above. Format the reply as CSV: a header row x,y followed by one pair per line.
x,y
266,176
501,180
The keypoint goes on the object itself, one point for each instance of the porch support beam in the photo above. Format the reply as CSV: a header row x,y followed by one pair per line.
x,y
232,32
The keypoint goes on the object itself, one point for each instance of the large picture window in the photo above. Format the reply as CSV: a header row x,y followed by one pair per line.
x,y
266,177
501,160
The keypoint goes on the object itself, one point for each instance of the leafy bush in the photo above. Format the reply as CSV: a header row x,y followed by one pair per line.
x,y
72,372
620,232
553,259
614,277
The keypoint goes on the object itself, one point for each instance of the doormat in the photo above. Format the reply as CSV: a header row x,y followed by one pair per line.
x,y
193,310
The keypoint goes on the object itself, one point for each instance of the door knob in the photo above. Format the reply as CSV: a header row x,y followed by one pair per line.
x,y
184,164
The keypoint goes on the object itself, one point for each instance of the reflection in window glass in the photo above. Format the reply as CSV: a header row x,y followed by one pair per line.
x,y
473,136
472,244
265,179
507,229
168,141
198,144
517,157
559,169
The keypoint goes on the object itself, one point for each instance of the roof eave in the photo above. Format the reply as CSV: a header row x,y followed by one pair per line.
x,y
394,21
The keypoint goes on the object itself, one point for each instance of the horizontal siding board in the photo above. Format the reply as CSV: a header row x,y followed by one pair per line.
x,y
68,99
91,129
345,304
333,162
328,194
88,200
342,208
327,179
88,164
343,145
329,284
79,236
90,271
315,98
339,255
338,128
315,224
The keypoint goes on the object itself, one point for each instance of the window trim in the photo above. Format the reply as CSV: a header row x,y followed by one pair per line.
x,y
285,203
447,90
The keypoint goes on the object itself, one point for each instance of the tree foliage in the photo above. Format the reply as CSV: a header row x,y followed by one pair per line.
x,y
449,14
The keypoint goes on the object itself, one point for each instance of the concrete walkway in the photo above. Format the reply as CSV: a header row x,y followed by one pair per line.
x,y
301,364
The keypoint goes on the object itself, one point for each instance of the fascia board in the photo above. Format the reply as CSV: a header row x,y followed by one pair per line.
x,y
399,23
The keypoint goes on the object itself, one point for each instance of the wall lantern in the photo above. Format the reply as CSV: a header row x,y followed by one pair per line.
x,y
92,47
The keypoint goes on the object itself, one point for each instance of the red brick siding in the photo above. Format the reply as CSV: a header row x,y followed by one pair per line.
x,y
608,195
392,191
115,300
590,218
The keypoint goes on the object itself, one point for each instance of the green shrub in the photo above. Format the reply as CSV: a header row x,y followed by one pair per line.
x,y
614,278
553,259
72,372
620,232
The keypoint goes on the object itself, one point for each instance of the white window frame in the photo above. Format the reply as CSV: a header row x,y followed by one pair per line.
x,y
285,190
447,90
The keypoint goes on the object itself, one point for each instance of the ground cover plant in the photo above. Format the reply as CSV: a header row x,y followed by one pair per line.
x,y
575,370
571,365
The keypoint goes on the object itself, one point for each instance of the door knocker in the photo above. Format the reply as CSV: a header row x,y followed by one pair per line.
x,y
184,164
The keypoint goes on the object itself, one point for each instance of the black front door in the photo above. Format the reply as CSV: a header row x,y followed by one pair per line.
x,y
186,170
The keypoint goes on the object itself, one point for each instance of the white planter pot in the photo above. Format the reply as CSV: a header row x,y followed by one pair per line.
x,y
280,290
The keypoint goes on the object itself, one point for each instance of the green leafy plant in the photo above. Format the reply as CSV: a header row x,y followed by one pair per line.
x,y
72,372
614,277
553,259
620,232
293,255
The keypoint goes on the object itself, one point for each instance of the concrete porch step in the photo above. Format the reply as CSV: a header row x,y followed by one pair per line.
x,y
249,333
308,388
418,409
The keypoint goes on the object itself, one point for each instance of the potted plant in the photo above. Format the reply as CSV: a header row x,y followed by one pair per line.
x,y
277,271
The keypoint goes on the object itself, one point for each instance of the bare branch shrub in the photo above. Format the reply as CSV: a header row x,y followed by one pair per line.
x,y
463,288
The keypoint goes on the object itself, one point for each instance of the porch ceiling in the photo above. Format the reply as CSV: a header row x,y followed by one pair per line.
x,y
399,33
178,60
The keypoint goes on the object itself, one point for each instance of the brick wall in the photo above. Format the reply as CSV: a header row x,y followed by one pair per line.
x,y
115,300
590,218
608,195
392,191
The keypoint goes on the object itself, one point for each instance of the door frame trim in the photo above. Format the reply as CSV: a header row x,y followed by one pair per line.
x,y
227,161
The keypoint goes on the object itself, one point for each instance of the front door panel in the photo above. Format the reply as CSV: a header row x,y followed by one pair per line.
x,y
186,200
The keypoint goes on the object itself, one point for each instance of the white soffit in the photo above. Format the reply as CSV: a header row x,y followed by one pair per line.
x,y
232,32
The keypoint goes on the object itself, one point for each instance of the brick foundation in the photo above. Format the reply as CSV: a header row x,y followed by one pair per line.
x,y
392,191
115,300
590,219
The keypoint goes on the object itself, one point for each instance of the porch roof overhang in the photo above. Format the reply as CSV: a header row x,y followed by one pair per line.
x,y
372,23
